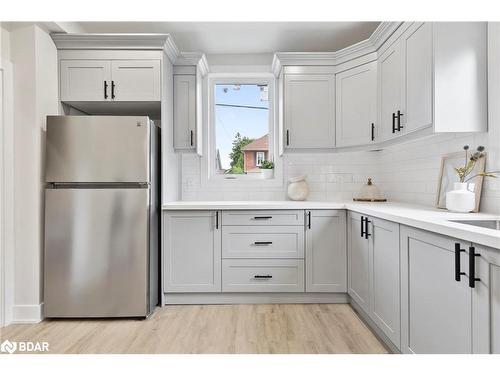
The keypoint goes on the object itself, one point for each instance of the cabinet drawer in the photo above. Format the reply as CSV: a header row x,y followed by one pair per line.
x,y
274,217
263,242
262,275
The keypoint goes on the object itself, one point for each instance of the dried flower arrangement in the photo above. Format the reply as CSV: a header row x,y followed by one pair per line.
x,y
464,173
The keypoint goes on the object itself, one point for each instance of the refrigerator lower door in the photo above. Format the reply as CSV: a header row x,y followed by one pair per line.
x,y
96,253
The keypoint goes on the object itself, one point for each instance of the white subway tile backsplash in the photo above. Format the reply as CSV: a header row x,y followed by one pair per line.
x,y
406,172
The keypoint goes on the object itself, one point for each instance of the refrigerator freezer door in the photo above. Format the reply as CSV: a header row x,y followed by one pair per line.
x,y
96,253
97,149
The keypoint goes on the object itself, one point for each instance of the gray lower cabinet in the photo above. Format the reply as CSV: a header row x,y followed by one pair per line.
x,y
326,254
192,251
374,266
447,301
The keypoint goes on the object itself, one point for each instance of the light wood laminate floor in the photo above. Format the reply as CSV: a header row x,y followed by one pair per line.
x,y
304,328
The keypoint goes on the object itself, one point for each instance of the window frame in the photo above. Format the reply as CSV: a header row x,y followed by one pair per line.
x,y
257,154
208,167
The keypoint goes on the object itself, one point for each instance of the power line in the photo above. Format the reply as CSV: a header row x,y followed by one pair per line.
x,y
240,106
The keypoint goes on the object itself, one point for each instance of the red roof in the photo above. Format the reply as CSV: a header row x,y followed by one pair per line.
x,y
260,144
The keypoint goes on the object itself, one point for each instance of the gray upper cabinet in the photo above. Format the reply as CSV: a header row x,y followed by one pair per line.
x,y
192,251
309,110
135,80
416,43
110,80
356,105
391,79
442,310
326,256
185,111
85,80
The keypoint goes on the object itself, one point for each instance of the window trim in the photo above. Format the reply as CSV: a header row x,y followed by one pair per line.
x,y
257,154
208,177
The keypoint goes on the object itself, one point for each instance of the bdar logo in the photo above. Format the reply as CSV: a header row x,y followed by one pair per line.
x,y
8,347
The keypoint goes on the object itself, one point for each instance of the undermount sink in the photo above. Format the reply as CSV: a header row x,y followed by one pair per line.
x,y
490,224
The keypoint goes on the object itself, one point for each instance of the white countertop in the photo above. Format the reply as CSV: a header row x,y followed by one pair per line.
x,y
423,217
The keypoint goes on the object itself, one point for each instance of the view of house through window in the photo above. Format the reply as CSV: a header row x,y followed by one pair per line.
x,y
241,127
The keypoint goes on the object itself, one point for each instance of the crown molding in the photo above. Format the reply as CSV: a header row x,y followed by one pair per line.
x,y
161,42
197,59
365,47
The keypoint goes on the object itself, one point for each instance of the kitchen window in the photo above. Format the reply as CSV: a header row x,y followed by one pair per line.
x,y
241,127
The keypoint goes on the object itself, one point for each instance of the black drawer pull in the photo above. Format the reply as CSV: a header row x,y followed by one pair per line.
x,y
309,219
399,121
216,219
373,131
263,277
263,243
366,228
393,123
288,138
112,89
105,90
191,137
362,226
458,273
472,267
262,217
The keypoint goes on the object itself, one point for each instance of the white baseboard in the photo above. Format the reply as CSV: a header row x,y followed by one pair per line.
x,y
27,314
251,298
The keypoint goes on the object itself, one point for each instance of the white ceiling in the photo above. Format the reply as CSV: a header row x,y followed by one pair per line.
x,y
246,37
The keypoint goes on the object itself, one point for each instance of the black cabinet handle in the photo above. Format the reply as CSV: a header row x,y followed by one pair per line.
x,y
366,228
373,131
191,135
472,267
105,89
393,123
216,219
112,89
309,219
263,277
263,243
399,120
262,217
362,226
458,250
288,138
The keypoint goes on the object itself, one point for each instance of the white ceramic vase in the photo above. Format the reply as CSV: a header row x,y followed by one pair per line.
x,y
461,199
267,173
298,190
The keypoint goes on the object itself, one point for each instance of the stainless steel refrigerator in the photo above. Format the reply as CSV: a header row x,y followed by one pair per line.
x,y
101,216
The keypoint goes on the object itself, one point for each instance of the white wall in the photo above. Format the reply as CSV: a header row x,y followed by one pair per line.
x,y
34,58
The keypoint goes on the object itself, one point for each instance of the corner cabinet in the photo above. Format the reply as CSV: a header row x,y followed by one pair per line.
x,y
192,251
449,295
356,105
326,255
110,80
374,263
308,108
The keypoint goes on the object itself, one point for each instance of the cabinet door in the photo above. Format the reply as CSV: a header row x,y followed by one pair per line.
x,y
184,111
192,252
309,111
358,263
356,112
385,304
436,309
326,252
136,80
390,70
85,80
417,46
